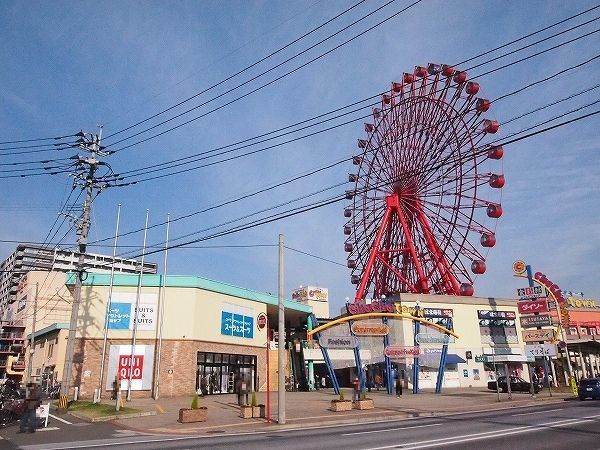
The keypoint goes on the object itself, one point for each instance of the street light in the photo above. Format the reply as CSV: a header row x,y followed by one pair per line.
x,y
493,345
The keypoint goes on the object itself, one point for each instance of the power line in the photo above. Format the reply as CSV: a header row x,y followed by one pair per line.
x,y
237,73
263,85
315,256
38,139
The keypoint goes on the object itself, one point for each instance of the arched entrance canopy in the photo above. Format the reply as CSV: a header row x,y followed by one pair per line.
x,y
391,315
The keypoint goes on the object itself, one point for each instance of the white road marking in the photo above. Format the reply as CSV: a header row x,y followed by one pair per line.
x,y
60,419
391,429
488,434
48,429
538,412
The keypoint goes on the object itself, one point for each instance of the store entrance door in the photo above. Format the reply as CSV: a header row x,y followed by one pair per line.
x,y
217,372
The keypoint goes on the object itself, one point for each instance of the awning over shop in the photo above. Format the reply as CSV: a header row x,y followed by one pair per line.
x,y
453,358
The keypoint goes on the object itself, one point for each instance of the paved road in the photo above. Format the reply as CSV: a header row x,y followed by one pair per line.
x,y
565,425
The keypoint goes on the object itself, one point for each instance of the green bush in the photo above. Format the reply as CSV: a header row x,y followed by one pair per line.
x,y
195,402
342,398
253,401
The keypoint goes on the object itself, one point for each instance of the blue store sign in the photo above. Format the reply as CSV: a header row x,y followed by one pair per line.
x,y
237,325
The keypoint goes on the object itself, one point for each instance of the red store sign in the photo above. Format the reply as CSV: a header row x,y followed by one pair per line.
x,y
125,367
533,306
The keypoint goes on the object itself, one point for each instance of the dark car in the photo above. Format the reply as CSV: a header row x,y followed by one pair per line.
x,y
589,388
516,384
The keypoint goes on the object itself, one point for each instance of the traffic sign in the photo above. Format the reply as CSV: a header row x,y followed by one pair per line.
x,y
531,292
533,306
481,359
540,350
536,321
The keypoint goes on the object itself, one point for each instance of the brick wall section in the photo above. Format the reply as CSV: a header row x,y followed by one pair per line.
x,y
178,355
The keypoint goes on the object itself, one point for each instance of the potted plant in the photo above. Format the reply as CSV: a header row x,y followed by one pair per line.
x,y
364,402
256,410
341,404
195,413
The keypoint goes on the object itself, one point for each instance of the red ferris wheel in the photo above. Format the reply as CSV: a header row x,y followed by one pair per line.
x,y
422,209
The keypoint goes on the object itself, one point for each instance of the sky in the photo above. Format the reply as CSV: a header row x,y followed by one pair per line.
x,y
70,66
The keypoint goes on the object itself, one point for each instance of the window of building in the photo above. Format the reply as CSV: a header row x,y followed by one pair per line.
x,y
50,350
42,344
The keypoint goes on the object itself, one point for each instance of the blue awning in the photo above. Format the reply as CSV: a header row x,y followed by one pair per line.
x,y
453,358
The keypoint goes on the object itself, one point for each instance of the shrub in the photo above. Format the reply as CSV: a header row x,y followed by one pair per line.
x,y
363,396
253,401
195,402
341,396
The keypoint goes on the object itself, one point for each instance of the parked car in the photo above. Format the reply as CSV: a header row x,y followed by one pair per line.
x,y
589,388
516,384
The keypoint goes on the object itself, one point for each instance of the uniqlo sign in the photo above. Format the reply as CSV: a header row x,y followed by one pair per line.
x,y
125,367
533,306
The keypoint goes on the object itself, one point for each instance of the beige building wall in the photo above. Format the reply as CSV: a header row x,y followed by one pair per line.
x,y
466,325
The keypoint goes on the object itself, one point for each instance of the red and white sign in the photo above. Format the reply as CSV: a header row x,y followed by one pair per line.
x,y
125,367
533,306
402,352
261,321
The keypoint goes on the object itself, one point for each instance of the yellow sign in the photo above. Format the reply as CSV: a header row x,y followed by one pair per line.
x,y
519,266
367,328
574,386
582,303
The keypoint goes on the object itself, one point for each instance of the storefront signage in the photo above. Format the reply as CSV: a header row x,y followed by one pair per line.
x,y
313,293
366,328
481,358
531,292
338,341
533,306
583,303
261,320
554,288
120,367
538,335
498,323
22,304
485,314
540,350
426,338
438,316
519,267
122,311
237,325
536,321
376,306
402,352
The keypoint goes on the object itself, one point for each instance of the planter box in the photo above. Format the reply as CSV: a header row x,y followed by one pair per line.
x,y
341,405
364,404
263,411
187,415
246,412
256,411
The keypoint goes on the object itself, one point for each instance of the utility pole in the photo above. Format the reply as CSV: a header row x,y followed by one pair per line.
x,y
84,176
281,338
32,338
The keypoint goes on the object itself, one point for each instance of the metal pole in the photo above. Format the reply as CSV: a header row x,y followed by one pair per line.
x,y
108,303
281,340
136,312
84,228
268,374
161,310
492,344
32,340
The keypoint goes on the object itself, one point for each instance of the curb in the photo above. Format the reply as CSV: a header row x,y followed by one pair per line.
x,y
412,415
111,417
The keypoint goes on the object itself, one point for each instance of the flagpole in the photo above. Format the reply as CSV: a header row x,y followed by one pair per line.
x,y
161,309
108,303
136,312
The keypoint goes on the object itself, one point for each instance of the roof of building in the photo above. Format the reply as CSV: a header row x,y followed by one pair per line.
x,y
48,329
185,281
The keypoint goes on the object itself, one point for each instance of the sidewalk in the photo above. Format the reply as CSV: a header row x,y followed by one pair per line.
x,y
306,409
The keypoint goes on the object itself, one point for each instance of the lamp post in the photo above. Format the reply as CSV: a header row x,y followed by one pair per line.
x,y
493,345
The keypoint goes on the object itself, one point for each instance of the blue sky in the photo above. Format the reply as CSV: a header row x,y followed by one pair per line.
x,y
72,65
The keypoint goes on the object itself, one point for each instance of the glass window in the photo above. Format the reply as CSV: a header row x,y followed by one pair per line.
x,y
209,357
201,356
217,358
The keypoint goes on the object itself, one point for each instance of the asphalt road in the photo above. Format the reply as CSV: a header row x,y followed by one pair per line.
x,y
564,425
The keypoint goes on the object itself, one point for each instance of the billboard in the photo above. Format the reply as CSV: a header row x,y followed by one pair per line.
x,y
121,314
120,365
314,293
